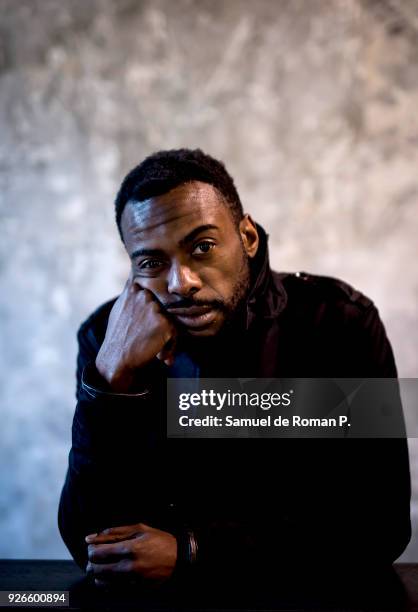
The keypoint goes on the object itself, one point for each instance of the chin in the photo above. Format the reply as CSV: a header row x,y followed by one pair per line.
x,y
208,331
201,333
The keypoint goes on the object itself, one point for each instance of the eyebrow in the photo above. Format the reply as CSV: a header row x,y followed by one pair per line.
x,y
147,252
188,238
192,235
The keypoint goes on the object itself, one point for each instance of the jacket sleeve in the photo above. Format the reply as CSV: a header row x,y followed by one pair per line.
x,y
376,498
107,481
346,501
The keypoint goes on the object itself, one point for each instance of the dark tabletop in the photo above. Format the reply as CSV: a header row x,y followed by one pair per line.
x,y
397,590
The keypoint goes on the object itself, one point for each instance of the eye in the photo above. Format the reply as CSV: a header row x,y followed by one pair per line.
x,y
150,264
203,247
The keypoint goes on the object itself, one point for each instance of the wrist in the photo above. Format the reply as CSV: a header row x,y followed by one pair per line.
x,y
93,383
122,382
120,379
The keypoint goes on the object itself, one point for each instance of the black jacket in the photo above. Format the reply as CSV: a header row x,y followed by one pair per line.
x,y
263,507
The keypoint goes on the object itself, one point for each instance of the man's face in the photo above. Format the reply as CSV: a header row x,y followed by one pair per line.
x,y
186,249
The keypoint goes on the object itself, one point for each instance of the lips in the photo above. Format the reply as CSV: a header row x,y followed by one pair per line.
x,y
190,312
195,316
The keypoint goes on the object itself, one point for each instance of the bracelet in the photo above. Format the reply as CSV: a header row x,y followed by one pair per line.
x,y
192,542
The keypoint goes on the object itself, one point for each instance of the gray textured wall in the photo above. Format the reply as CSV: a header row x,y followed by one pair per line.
x,y
311,103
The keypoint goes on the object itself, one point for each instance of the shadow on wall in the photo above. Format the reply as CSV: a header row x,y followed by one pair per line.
x,y
311,105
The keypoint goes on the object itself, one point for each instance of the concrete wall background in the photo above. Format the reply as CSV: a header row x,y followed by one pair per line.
x,y
311,104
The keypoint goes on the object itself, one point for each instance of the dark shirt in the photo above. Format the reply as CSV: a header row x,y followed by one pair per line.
x,y
257,507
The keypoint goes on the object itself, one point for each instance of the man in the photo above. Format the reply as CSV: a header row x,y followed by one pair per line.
x,y
201,301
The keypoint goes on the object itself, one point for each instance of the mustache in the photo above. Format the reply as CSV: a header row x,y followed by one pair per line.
x,y
189,303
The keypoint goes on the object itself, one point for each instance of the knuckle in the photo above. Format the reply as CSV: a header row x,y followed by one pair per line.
x,y
155,305
172,328
137,566
136,546
126,565
107,531
146,295
125,549
163,322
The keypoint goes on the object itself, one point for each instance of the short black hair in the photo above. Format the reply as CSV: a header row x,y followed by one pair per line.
x,y
165,170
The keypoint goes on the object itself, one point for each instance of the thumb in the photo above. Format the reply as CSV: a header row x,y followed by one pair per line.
x,y
129,279
133,282
142,527
167,354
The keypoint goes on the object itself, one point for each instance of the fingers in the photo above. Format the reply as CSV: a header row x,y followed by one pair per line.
x,y
129,280
120,529
107,570
167,353
106,553
115,534
101,583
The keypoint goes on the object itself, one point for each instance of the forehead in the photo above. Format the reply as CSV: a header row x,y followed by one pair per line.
x,y
174,213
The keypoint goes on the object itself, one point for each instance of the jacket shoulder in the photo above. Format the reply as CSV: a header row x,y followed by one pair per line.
x,y
324,289
93,329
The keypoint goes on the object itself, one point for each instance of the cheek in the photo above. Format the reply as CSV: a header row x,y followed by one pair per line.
x,y
155,285
222,275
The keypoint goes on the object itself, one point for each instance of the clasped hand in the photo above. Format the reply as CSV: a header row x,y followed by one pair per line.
x,y
131,552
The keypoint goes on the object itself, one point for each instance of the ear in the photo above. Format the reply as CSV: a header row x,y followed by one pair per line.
x,y
249,235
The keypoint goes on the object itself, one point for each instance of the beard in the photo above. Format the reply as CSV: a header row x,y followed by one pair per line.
x,y
234,312
235,307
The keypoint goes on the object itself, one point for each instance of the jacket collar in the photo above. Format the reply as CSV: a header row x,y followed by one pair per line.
x,y
266,299
267,296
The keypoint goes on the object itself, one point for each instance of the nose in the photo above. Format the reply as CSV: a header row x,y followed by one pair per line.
x,y
183,281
